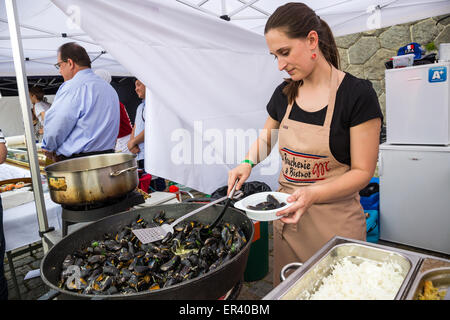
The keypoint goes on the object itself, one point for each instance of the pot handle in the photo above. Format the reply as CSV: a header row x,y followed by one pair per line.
x,y
293,265
118,173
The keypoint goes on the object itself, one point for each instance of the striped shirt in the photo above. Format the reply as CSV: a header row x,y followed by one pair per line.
x,y
2,137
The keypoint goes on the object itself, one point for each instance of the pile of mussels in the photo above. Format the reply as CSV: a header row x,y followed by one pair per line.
x,y
270,204
120,263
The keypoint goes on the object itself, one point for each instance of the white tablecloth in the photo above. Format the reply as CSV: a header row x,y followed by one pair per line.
x,y
21,226
8,171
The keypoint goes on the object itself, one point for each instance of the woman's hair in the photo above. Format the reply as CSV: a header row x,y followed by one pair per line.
x,y
38,92
77,53
297,20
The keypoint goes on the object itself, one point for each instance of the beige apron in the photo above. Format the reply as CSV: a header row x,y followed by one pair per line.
x,y
307,159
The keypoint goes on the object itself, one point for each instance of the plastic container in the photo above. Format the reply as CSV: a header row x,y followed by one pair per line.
x,y
263,215
258,257
403,61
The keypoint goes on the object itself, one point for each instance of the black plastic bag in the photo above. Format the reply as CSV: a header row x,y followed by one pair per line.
x,y
248,188
370,189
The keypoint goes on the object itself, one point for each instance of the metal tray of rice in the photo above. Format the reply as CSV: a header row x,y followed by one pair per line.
x,y
346,269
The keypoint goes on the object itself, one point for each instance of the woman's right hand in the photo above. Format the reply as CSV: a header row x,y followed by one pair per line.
x,y
241,172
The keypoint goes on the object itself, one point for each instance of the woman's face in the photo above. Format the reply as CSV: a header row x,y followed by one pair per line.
x,y
293,55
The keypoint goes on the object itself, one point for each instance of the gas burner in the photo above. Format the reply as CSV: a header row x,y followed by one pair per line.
x,y
94,206
94,212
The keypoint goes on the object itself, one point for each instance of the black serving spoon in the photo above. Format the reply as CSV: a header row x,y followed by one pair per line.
x,y
206,231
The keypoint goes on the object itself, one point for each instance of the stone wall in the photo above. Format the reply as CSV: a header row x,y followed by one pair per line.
x,y
364,54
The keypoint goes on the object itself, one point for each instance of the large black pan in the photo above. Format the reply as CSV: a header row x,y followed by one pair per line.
x,y
212,285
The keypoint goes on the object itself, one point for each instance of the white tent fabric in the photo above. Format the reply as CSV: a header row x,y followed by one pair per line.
x,y
43,24
44,28
209,80
343,16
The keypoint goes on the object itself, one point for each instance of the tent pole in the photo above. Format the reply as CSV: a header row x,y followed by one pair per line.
x,y
22,85
245,6
198,8
256,8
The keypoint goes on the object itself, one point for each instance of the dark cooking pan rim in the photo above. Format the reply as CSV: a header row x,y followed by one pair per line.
x,y
147,292
58,167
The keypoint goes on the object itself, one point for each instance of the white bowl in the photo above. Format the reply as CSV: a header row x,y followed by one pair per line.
x,y
263,215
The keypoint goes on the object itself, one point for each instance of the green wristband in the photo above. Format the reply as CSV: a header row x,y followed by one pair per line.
x,y
249,162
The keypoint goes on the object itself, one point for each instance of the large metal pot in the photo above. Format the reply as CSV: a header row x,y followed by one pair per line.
x,y
211,285
92,179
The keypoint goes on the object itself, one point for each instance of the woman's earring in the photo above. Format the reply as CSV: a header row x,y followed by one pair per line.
x,y
314,56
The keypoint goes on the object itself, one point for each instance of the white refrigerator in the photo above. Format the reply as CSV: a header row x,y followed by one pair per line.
x,y
415,195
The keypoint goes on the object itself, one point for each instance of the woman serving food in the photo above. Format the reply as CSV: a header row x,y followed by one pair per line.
x,y
328,124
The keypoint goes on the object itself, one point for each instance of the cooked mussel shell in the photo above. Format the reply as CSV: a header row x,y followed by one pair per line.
x,y
171,264
271,204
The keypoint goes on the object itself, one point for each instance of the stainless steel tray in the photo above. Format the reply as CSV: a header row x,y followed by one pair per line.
x,y
308,277
440,277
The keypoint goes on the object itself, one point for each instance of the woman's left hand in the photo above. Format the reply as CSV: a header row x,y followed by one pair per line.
x,y
304,198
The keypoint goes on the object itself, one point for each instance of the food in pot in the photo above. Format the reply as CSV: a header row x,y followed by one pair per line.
x,y
430,292
270,204
7,187
120,263
368,280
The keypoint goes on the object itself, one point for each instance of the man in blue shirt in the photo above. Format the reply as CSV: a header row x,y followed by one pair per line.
x,y
84,117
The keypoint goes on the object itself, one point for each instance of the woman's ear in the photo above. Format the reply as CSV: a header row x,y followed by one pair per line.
x,y
312,40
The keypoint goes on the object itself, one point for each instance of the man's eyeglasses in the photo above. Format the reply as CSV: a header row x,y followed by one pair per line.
x,y
58,65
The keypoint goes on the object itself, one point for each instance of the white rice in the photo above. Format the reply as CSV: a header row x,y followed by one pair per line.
x,y
369,280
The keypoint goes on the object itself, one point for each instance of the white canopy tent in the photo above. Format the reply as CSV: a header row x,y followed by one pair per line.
x,y
44,28
208,79
343,16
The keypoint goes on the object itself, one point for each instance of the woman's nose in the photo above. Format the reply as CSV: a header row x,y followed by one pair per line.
x,y
281,64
